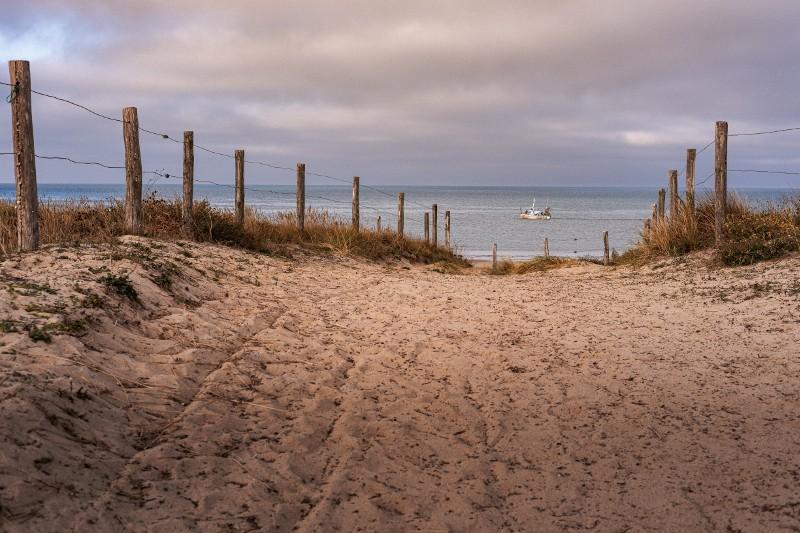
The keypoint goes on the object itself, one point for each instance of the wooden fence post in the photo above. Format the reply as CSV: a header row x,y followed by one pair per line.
x,y
654,217
691,158
447,229
24,155
356,206
239,157
401,200
188,183
379,224
674,201
494,256
720,180
605,248
546,248
133,171
427,227
301,197
435,224
661,200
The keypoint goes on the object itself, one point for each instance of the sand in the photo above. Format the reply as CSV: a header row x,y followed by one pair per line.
x,y
244,393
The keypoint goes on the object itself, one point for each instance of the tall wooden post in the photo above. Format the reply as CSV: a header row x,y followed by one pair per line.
x,y
239,157
378,224
188,183
133,171
661,200
435,224
494,256
674,201
691,158
427,227
301,197
605,248
546,248
720,180
356,206
24,155
401,200
447,229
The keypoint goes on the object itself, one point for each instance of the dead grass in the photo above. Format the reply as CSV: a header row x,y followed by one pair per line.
x,y
751,233
76,221
537,264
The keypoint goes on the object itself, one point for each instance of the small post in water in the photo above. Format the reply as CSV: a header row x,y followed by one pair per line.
x,y
494,256
691,158
720,180
401,200
435,224
661,200
447,229
378,224
188,183
301,197
427,227
673,194
133,171
239,157
24,155
546,248
605,248
356,207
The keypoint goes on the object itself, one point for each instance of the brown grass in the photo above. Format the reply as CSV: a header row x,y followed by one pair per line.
x,y
76,221
751,233
537,264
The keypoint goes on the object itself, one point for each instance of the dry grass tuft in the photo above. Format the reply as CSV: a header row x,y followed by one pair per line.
x,y
76,221
537,264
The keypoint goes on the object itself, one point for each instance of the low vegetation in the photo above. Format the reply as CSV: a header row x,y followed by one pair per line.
x,y
537,264
76,221
752,233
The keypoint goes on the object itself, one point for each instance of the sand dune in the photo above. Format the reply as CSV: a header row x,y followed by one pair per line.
x,y
240,392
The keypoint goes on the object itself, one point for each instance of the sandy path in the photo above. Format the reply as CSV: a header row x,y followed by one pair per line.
x,y
331,394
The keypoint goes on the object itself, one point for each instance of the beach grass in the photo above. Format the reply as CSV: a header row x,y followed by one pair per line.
x,y
81,220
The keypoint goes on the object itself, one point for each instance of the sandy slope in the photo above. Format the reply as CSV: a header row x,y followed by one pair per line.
x,y
255,393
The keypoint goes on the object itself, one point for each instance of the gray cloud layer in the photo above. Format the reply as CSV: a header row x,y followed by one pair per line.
x,y
539,92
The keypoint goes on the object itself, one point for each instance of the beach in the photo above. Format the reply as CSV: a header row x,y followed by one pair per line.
x,y
185,386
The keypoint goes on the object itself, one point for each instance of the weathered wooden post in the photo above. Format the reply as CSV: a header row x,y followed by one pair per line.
x,y
720,180
494,256
546,248
401,200
239,157
691,158
188,183
674,202
605,248
24,155
356,207
378,224
133,171
301,197
447,229
435,224
427,227
654,217
661,200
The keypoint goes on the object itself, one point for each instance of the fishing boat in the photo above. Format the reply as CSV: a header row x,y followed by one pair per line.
x,y
534,214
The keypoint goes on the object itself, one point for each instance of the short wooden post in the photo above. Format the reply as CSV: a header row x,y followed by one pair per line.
x,y
720,180
674,202
24,155
239,158
188,183
427,227
133,171
546,248
661,200
378,224
301,197
401,200
654,217
494,256
356,207
691,158
605,248
647,225
435,225
447,229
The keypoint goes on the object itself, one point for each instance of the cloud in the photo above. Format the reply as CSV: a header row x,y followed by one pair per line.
x,y
574,91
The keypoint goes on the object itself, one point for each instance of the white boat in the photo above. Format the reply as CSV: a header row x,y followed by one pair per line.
x,y
534,214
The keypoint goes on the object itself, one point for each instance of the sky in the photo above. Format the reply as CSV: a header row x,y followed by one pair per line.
x,y
536,92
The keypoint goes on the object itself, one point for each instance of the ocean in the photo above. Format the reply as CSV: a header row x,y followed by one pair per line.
x,y
480,216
